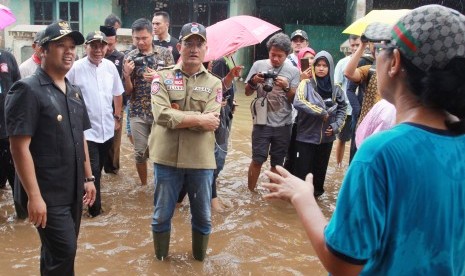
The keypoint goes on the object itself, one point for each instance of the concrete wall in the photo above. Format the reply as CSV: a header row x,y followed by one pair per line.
x,y
95,12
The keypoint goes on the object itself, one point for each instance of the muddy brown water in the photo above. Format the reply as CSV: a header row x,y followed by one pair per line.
x,y
251,237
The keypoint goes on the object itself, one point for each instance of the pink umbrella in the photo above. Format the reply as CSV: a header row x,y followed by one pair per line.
x,y
6,17
234,33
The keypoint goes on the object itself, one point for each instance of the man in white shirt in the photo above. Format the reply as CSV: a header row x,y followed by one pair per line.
x,y
101,85
30,65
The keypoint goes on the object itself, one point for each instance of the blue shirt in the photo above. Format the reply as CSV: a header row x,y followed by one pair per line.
x,y
401,208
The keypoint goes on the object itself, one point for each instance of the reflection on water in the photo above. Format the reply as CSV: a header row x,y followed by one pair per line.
x,y
251,237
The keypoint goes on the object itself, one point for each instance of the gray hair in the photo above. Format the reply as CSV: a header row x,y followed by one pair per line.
x,y
280,41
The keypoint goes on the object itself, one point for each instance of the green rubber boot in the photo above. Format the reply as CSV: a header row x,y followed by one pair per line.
x,y
199,245
161,243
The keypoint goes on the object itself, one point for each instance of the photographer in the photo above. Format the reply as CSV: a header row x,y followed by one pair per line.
x,y
275,82
139,68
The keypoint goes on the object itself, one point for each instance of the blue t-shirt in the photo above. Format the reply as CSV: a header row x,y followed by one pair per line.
x,y
401,208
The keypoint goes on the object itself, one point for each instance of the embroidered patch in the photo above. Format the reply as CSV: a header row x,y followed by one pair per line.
x,y
169,75
3,67
155,88
168,81
219,95
179,82
203,89
175,87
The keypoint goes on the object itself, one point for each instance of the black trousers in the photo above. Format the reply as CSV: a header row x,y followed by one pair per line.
x,y
59,239
7,168
98,153
7,172
314,159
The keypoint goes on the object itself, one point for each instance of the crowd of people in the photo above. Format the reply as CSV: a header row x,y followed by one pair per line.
x,y
62,118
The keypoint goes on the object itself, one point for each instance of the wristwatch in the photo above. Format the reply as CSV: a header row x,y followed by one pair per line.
x,y
89,179
118,118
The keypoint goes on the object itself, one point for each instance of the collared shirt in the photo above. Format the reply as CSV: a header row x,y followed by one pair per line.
x,y
55,121
9,73
140,97
99,84
175,95
29,66
170,43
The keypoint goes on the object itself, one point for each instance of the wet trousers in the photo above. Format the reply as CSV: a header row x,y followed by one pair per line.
x,y
59,240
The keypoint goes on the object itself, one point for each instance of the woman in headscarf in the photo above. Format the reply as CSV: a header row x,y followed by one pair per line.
x,y
322,111
308,54
401,207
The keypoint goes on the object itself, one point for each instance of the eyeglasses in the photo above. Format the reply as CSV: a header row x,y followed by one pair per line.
x,y
194,43
379,47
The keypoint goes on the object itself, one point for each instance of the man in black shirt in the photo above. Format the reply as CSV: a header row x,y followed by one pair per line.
x,y
9,73
161,37
46,119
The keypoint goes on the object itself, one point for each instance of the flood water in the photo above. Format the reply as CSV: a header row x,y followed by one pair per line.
x,y
251,237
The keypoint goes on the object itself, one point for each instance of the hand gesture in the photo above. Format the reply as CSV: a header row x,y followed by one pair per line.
x,y
281,82
329,131
37,210
149,74
89,193
210,121
236,71
287,186
306,74
128,67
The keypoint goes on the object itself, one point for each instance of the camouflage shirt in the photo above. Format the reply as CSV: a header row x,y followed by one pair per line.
x,y
140,97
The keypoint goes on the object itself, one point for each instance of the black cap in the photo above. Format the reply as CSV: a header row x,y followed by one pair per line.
x,y
299,33
38,36
193,29
96,35
108,30
60,29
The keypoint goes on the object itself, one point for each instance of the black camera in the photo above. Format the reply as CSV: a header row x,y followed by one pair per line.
x,y
269,77
140,63
329,103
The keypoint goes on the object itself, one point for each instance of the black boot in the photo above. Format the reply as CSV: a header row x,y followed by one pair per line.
x,y
161,244
199,245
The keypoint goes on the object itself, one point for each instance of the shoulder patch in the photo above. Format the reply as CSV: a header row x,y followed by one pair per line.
x,y
219,95
155,86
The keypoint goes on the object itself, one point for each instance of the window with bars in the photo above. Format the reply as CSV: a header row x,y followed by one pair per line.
x,y
45,12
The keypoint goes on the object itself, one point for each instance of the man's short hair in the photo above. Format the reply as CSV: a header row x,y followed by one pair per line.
x,y
163,14
111,20
142,24
280,41
354,37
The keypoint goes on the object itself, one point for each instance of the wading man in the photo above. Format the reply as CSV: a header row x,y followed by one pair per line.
x,y
46,119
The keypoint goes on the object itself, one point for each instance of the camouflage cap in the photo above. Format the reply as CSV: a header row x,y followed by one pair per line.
x,y
429,36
